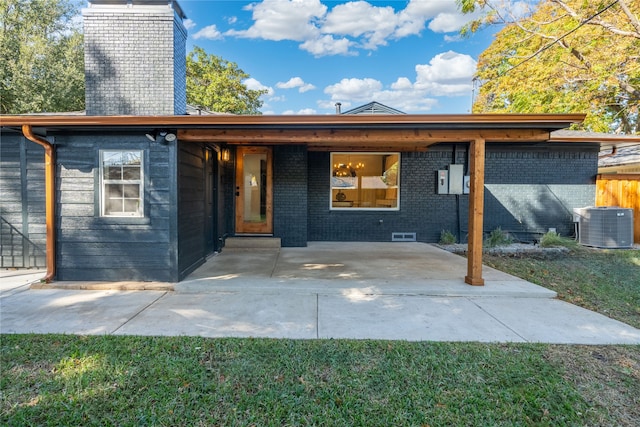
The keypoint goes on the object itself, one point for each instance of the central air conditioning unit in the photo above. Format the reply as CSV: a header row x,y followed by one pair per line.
x,y
604,227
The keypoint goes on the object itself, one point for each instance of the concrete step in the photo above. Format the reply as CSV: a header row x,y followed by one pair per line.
x,y
246,242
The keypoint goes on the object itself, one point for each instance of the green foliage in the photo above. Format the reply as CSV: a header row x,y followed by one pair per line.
x,y
447,238
41,57
553,60
180,381
553,240
497,238
216,84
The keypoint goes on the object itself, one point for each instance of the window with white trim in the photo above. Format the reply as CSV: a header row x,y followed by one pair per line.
x,y
121,183
365,181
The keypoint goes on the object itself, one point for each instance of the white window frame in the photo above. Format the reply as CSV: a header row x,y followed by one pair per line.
x,y
332,206
104,182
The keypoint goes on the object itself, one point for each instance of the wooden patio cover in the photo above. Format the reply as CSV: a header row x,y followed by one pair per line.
x,y
404,133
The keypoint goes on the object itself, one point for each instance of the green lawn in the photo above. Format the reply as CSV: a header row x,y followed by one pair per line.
x,y
606,281
107,380
66,380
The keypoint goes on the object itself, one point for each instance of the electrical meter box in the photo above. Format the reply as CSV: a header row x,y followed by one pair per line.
x,y
442,181
456,177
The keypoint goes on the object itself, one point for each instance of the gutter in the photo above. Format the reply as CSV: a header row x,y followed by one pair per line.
x,y
49,183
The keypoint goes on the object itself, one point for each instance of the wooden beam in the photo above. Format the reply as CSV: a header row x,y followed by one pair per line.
x,y
476,213
371,148
357,136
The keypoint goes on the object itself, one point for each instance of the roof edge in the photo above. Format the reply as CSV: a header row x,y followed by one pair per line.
x,y
547,121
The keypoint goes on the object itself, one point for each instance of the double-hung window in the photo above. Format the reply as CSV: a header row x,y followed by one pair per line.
x,y
121,183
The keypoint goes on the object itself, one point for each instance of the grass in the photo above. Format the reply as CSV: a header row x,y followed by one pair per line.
x,y
66,380
606,281
497,238
62,380
447,238
554,240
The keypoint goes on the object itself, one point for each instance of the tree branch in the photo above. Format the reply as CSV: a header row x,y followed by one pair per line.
x,y
600,22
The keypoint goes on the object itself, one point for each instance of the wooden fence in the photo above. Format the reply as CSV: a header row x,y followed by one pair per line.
x,y
621,190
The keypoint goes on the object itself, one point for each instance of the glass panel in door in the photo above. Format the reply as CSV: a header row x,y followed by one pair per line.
x,y
253,191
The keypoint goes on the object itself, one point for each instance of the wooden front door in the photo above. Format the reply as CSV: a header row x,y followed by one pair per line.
x,y
254,192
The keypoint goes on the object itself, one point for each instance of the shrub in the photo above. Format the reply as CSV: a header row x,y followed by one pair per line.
x,y
553,239
498,238
447,238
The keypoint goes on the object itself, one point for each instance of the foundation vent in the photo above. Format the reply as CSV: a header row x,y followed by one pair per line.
x,y
403,237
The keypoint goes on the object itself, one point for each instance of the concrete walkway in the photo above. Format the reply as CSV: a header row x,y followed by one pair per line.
x,y
407,291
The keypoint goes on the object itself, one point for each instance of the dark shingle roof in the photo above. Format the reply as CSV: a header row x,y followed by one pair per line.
x,y
622,156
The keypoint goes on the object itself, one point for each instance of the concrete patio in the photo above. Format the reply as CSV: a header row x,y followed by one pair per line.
x,y
407,291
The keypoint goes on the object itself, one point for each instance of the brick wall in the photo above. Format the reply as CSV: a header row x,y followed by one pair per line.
x,y
290,194
527,191
135,60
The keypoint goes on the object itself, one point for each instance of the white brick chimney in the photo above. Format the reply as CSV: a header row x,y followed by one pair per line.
x,y
135,57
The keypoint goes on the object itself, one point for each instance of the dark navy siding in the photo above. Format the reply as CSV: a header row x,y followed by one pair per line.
x,y
90,247
22,203
191,208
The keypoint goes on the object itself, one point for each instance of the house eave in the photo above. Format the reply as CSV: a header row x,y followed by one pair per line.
x,y
388,121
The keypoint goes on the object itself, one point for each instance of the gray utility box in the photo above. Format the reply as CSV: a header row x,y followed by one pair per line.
x,y
604,227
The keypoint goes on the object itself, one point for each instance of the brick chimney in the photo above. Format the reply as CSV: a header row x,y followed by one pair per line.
x,y
135,57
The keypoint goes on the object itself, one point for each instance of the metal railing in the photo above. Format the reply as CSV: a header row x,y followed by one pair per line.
x,y
17,251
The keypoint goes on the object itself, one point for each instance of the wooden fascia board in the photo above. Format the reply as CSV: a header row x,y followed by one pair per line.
x,y
330,137
618,176
546,121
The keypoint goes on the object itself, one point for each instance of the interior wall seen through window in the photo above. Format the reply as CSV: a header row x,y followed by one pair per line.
x,y
365,181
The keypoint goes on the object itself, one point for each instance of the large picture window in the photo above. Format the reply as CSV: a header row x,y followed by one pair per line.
x,y
122,190
365,181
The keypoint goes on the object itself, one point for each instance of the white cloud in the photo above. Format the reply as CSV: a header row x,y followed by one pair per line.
x,y
413,18
210,33
448,22
188,24
296,82
447,74
360,18
353,89
401,84
303,112
349,26
253,84
327,45
283,20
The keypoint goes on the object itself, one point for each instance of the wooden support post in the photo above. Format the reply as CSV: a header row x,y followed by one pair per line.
x,y
476,214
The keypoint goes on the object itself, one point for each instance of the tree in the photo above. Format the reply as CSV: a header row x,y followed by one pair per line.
x,y
41,56
562,57
216,84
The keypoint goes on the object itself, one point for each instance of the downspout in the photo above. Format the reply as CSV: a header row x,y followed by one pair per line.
x,y
50,199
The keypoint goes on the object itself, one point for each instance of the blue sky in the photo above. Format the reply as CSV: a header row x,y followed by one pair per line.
x,y
310,54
